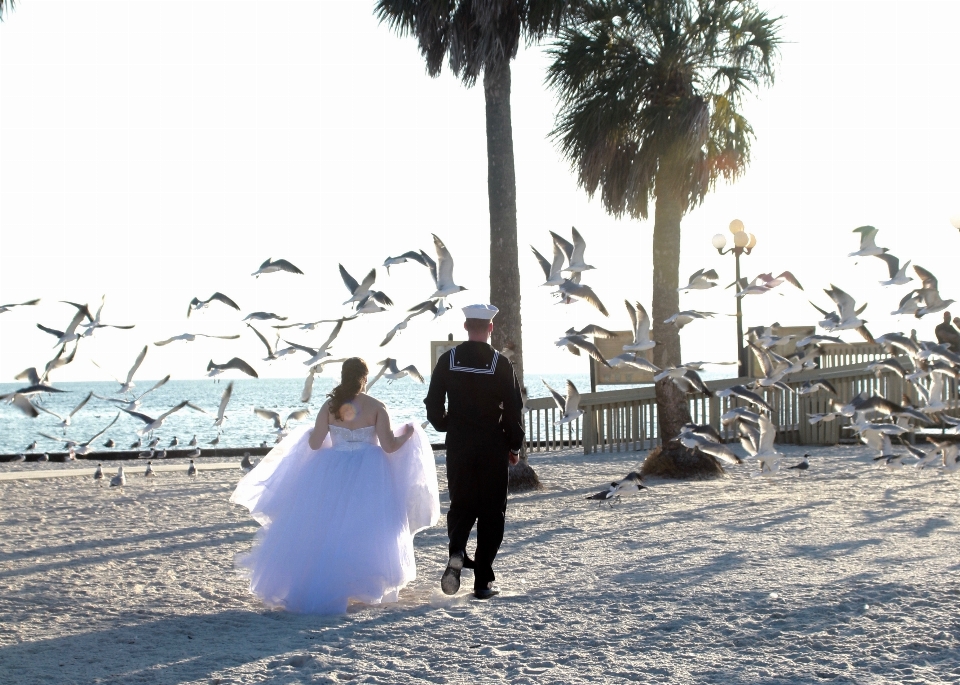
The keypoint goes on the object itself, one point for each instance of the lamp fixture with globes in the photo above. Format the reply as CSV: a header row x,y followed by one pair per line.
x,y
743,243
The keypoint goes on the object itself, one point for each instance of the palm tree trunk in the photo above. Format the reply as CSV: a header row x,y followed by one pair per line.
x,y
672,408
502,196
504,261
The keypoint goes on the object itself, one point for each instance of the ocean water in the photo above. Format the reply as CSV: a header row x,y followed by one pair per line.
x,y
242,428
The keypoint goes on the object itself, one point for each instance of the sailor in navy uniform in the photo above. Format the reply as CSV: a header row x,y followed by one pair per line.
x,y
482,420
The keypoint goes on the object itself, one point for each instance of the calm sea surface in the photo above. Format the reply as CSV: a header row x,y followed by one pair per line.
x,y
242,428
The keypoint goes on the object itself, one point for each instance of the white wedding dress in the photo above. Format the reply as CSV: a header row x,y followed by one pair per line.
x,y
337,524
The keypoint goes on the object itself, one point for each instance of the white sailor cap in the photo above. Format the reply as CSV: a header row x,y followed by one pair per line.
x,y
480,311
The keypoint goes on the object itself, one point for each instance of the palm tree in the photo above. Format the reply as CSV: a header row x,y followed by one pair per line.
x,y
474,37
650,94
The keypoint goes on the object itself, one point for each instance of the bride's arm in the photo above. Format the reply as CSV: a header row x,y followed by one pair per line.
x,y
320,428
388,441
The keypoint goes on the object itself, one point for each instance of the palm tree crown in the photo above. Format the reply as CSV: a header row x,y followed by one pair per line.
x,y
471,34
645,86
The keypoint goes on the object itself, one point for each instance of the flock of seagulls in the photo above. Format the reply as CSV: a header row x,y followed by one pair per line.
x,y
885,426
364,300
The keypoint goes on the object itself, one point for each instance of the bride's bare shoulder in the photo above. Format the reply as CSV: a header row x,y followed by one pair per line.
x,y
373,402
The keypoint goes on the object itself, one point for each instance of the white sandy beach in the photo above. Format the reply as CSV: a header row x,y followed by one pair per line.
x,y
845,574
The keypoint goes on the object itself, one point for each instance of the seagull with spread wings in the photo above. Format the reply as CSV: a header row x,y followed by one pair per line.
x,y
551,269
929,293
571,290
235,364
575,342
95,323
318,353
361,292
701,280
128,384
135,402
190,337
898,274
847,316
281,428
7,307
273,265
390,371
224,400
640,327
69,334
574,252
151,424
196,303
65,420
419,256
569,406
88,446
868,246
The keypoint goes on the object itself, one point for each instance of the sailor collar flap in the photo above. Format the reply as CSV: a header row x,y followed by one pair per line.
x,y
460,365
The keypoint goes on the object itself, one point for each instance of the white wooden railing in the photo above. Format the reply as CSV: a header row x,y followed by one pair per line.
x,y
624,420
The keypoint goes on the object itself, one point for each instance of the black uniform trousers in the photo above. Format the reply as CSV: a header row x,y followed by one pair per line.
x,y
477,474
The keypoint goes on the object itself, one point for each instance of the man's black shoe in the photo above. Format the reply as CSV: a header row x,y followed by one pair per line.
x,y
450,581
486,592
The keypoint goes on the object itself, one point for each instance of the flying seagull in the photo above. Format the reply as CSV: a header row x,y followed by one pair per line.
x,y
88,447
390,371
65,420
574,343
418,257
263,316
7,307
577,291
868,248
569,405
898,274
95,323
640,326
575,256
551,270
224,400
128,384
270,266
701,280
197,303
361,292
236,364
152,424
69,334
317,354
281,428
190,337
929,293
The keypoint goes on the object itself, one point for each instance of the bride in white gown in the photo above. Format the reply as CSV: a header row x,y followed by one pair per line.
x,y
339,504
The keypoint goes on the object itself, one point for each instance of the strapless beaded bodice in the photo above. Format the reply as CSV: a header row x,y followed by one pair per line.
x,y
346,440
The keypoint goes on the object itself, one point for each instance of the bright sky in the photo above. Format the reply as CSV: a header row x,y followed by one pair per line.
x,y
156,151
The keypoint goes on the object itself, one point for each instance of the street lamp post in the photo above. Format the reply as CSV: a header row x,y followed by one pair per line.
x,y
743,242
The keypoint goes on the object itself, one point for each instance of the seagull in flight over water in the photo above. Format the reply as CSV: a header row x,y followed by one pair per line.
x,y
272,265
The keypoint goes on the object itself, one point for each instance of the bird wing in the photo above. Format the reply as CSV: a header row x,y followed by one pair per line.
x,y
240,365
307,391
77,318
266,343
597,331
220,297
928,280
582,343
173,410
303,348
582,292
381,297
40,407
287,266
579,246
846,305
694,276
136,364
297,415
412,371
867,235
544,264
430,264
30,374
444,263
348,280
767,434
565,245
182,336
103,430
158,384
893,264
137,415
333,334
268,415
632,313
557,397
790,278
762,358
225,399
51,331
573,398
82,402
368,281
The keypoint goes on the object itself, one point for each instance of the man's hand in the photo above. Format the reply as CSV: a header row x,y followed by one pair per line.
x,y
514,458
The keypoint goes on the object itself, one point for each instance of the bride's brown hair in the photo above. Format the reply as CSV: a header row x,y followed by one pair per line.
x,y
353,375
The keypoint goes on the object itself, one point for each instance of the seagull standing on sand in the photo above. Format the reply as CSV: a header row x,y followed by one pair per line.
x,y
149,472
98,474
192,469
118,480
247,464
270,266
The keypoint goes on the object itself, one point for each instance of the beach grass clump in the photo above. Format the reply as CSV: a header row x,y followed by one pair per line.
x,y
522,478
